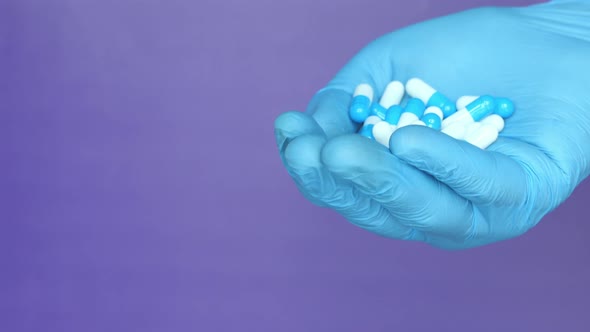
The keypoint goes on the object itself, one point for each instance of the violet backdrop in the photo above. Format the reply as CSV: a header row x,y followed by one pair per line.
x,y
141,188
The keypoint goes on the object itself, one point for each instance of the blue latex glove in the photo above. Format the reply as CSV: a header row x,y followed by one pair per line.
x,y
433,188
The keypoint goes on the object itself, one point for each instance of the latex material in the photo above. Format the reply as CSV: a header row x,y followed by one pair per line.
x,y
429,187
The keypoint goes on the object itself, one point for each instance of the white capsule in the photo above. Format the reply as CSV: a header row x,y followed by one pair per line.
x,y
407,119
417,88
373,119
456,130
393,94
382,132
465,100
494,120
435,110
484,137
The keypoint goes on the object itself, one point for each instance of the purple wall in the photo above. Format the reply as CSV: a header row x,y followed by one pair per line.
x,y
141,189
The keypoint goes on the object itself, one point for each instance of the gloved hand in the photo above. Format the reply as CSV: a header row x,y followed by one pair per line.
x,y
433,188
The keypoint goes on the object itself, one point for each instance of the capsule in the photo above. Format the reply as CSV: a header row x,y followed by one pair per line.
x,y
412,113
392,96
378,110
464,101
473,112
494,120
432,118
393,114
360,108
485,136
456,130
417,88
367,128
382,133
504,106
367,131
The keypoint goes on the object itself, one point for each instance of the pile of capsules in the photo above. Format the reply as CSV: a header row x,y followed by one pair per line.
x,y
475,119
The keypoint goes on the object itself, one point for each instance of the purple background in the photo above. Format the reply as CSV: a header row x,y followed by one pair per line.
x,y
142,189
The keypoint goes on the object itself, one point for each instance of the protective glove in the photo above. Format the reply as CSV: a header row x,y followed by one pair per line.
x,y
429,187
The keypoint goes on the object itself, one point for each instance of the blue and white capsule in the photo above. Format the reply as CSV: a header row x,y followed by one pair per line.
x,y
485,132
382,132
392,96
483,137
367,128
412,113
474,111
504,106
463,101
393,114
432,118
457,124
495,121
417,88
360,108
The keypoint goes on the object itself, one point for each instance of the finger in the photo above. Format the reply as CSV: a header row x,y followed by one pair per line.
x,y
329,108
483,177
293,124
289,126
302,157
413,198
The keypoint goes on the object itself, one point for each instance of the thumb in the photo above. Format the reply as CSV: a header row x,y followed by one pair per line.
x,y
481,176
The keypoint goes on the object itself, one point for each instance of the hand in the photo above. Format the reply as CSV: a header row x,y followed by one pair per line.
x,y
433,188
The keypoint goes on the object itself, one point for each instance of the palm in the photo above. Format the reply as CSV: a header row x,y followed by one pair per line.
x,y
472,53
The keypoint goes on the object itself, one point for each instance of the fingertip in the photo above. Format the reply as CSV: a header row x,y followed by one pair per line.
x,y
292,124
303,152
406,141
